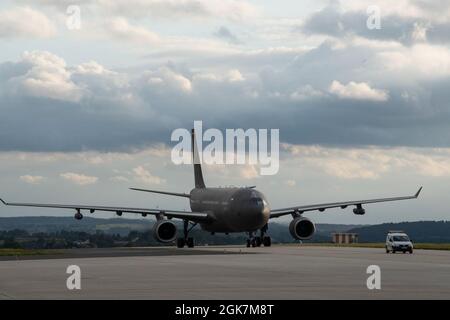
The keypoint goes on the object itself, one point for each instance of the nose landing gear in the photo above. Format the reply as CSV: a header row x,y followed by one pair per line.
x,y
264,240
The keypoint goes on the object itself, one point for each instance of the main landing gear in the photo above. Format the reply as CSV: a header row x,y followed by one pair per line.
x,y
186,241
255,241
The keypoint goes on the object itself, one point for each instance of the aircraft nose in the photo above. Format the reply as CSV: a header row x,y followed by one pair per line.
x,y
256,206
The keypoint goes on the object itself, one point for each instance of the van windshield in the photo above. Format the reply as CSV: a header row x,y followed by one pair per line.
x,y
400,238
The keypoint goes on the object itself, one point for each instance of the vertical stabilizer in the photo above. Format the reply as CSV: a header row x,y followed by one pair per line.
x,y
198,175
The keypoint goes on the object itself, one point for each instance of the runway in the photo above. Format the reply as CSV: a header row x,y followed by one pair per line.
x,y
278,272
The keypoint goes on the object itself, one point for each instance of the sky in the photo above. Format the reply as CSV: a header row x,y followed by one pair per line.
x,y
363,112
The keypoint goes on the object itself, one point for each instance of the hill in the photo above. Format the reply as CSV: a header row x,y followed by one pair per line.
x,y
418,231
122,227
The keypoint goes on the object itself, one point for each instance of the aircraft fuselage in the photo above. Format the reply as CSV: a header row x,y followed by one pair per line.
x,y
232,209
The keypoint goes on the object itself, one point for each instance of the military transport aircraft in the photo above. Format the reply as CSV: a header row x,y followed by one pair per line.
x,y
222,210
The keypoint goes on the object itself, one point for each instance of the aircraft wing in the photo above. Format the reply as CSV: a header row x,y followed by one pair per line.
x,y
321,207
191,216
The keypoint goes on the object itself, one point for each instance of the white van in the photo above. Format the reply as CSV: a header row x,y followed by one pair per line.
x,y
398,241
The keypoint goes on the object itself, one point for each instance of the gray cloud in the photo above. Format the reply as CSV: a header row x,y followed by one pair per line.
x,y
119,111
332,21
225,34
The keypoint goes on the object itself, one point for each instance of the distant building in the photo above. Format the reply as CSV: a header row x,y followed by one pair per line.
x,y
343,237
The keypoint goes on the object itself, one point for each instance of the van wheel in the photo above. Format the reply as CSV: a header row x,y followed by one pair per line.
x,y
387,250
410,251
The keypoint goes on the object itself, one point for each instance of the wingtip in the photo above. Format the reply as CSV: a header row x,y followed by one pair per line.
x,y
418,192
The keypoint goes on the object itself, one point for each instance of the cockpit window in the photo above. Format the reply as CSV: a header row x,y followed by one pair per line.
x,y
256,201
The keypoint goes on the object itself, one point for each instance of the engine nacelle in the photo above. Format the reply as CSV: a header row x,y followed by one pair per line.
x,y
302,228
359,210
164,231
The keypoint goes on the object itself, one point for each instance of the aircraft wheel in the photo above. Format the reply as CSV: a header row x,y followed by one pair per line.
x,y
248,243
180,243
267,241
190,242
258,241
253,243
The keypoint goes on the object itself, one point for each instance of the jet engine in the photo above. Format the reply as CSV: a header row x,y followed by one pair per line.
x,y
359,210
302,228
164,231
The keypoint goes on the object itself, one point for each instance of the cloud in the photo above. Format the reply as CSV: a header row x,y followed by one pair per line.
x,y
166,78
143,175
305,92
232,10
92,68
121,30
291,183
31,179
420,32
235,76
225,34
47,76
357,91
405,22
119,179
419,61
25,22
78,178
249,172
86,106
371,163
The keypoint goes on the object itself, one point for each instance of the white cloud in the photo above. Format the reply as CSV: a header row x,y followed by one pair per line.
x,y
178,9
144,176
372,162
78,178
119,179
291,183
357,91
165,78
418,61
235,76
31,179
249,172
25,22
231,76
92,68
305,92
420,32
436,10
47,77
121,30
